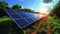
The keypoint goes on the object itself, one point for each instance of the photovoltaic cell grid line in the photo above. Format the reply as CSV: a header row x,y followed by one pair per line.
x,y
21,18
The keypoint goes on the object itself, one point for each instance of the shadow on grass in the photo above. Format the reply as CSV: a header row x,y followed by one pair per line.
x,y
9,27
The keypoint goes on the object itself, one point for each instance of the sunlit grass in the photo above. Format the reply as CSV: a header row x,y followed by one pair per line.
x,y
4,19
55,25
54,21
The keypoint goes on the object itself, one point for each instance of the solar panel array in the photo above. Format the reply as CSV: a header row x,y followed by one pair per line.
x,y
21,18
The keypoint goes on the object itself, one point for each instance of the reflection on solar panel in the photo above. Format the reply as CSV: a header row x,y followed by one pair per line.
x,y
22,19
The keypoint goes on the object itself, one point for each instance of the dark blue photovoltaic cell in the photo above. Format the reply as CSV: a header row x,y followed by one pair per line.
x,y
26,14
22,23
10,11
26,17
19,11
15,16
30,20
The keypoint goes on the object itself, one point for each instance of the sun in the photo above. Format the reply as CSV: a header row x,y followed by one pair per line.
x,y
44,10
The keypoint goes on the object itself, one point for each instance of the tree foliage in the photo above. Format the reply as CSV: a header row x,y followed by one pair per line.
x,y
28,10
9,27
56,10
16,7
3,5
19,7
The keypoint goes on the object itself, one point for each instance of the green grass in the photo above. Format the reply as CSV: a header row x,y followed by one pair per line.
x,y
7,22
4,19
7,26
55,25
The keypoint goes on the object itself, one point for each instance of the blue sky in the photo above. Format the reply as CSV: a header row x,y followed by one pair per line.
x,y
34,4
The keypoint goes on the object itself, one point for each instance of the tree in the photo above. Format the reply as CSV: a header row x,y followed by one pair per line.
x,y
17,7
56,10
3,5
28,10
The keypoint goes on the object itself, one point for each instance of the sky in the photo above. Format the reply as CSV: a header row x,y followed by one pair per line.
x,y
33,4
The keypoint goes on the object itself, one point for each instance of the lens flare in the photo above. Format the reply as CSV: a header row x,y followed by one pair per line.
x,y
44,10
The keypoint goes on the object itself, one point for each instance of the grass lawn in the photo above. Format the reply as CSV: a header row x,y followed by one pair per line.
x,y
4,19
7,26
6,22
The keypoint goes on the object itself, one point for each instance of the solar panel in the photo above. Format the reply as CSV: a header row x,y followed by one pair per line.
x,y
21,18
15,16
10,11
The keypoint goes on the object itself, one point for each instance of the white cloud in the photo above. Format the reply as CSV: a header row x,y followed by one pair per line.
x,y
54,0
22,6
47,3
